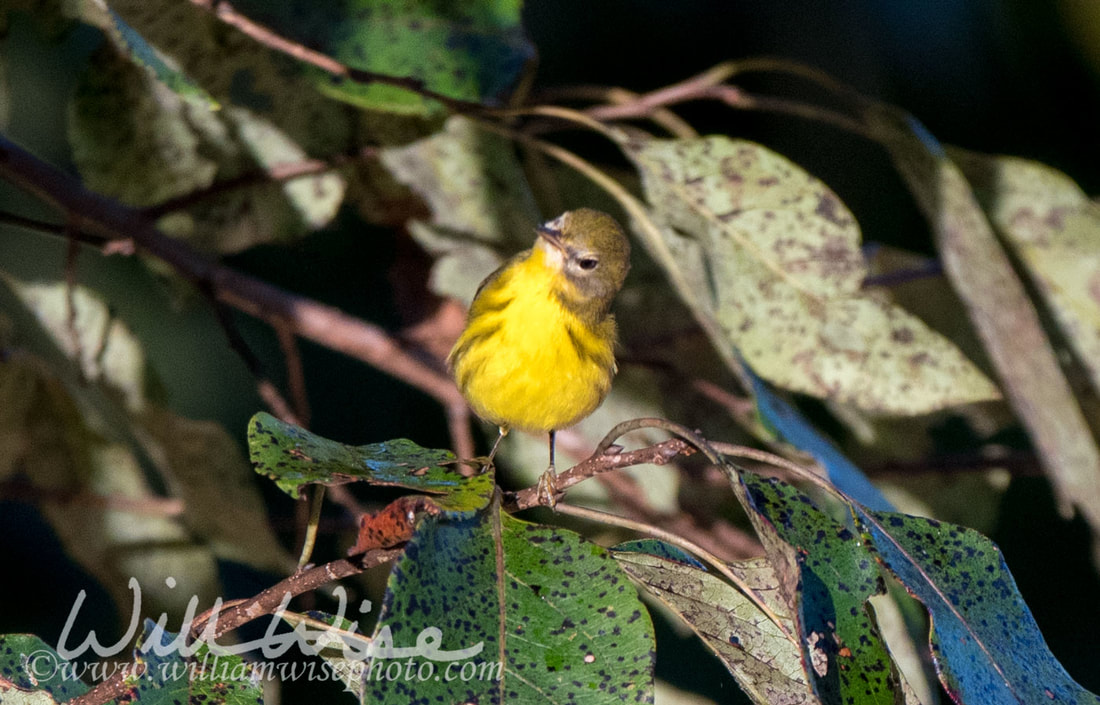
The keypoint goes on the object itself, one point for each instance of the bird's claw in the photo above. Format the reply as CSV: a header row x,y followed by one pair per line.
x,y
547,488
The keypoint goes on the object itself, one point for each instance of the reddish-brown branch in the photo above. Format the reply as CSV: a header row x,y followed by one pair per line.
x,y
309,319
240,612
710,85
268,601
295,373
598,463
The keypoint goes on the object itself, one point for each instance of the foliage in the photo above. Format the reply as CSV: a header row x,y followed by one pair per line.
x,y
200,131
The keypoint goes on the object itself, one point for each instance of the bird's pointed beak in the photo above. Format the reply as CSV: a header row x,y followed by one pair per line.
x,y
551,236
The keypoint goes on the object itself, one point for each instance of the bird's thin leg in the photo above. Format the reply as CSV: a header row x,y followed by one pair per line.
x,y
547,489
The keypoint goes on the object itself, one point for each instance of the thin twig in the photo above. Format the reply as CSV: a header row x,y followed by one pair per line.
x,y
599,462
295,373
736,98
661,115
267,389
274,175
710,85
689,89
719,536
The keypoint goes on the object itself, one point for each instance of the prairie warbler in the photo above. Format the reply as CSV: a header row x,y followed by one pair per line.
x,y
538,351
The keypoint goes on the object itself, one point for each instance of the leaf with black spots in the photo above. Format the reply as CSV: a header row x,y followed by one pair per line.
x,y
762,655
834,576
985,642
768,259
998,304
473,50
555,610
31,669
294,458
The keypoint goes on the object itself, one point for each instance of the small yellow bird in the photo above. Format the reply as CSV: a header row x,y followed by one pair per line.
x,y
538,351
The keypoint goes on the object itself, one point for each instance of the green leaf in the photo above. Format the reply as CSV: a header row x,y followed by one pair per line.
x,y
294,458
31,669
273,117
133,138
237,71
473,50
985,642
836,575
554,609
205,676
1054,230
998,306
658,549
761,655
140,52
768,259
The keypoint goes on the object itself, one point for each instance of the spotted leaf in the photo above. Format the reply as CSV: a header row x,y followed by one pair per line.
x,y
555,610
985,642
842,650
768,259
294,457
760,654
31,669
472,50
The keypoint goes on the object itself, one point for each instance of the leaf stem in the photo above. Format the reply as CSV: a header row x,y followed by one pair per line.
x,y
316,502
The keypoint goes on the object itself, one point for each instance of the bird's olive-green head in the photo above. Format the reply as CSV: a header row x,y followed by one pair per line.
x,y
593,254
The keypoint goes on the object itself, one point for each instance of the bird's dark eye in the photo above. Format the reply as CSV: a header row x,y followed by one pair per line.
x,y
588,263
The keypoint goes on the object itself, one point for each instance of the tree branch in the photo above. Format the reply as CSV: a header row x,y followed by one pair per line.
x,y
308,318
603,460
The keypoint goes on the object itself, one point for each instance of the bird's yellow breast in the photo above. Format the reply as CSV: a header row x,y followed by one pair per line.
x,y
525,360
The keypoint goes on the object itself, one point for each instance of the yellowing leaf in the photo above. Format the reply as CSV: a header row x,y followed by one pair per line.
x,y
1054,230
474,186
765,661
768,257
107,350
